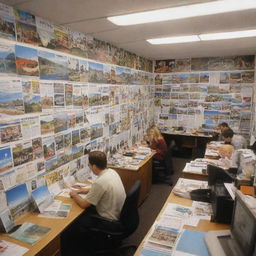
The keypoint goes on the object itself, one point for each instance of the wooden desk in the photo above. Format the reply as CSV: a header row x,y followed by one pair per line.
x,y
197,142
193,175
49,245
204,225
144,173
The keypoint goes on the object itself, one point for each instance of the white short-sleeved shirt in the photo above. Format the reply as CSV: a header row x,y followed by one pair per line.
x,y
107,194
238,141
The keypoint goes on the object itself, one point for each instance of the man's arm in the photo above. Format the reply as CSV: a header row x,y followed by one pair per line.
x,y
83,203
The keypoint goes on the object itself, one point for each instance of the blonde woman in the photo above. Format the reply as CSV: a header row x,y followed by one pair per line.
x,y
157,143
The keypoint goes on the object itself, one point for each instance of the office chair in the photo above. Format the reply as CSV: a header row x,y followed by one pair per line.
x,y
162,169
106,239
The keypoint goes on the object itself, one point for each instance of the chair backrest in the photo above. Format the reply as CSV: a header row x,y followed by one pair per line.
x,y
129,216
168,158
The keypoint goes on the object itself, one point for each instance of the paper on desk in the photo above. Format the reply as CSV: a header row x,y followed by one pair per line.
x,y
177,210
12,249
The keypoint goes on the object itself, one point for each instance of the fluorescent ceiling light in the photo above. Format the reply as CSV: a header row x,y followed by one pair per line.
x,y
228,35
204,37
182,12
174,40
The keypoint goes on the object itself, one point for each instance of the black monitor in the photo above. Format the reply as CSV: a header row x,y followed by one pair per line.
x,y
243,227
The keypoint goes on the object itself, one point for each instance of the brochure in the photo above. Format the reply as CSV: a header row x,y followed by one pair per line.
x,y
30,233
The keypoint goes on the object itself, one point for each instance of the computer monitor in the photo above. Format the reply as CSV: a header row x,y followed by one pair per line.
x,y
241,239
243,226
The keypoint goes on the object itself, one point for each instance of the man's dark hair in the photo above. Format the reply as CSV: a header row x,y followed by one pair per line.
x,y
224,124
98,158
227,133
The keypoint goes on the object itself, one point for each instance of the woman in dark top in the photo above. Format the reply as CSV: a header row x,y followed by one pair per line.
x,y
157,143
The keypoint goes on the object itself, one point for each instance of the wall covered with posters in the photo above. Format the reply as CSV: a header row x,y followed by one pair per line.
x,y
63,93
203,92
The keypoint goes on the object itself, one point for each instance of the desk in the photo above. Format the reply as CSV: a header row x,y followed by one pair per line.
x,y
144,173
197,142
204,225
193,175
49,245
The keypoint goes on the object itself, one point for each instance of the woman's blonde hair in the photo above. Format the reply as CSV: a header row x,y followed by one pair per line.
x,y
156,132
226,150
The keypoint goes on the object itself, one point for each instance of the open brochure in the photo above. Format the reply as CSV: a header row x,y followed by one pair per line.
x,y
30,233
47,206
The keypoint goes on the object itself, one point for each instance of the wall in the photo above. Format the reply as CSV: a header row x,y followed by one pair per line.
x,y
62,93
197,92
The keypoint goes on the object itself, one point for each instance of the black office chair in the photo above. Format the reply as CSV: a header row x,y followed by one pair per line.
x,y
162,169
106,239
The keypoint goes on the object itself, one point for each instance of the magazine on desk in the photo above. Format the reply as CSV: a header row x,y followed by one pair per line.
x,y
47,206
30,233
185,186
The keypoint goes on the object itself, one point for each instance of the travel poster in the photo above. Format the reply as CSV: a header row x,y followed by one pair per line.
x,y
5,159
26,61
7,27
11,98
7,59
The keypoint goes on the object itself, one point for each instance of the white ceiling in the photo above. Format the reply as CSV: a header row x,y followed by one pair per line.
x,y
89,16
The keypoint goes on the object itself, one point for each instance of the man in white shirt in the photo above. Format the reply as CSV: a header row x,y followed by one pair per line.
x,y
238,141
105,198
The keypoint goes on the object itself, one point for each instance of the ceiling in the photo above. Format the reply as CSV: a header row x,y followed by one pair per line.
x,y
89,16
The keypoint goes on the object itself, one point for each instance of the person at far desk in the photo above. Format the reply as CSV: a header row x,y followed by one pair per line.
x,y
157,143
219,130
105,198
237,141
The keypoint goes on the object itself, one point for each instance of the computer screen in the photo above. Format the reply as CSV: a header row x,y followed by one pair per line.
x,y
243,227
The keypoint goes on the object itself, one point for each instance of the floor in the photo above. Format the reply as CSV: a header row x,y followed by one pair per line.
x,y
154,202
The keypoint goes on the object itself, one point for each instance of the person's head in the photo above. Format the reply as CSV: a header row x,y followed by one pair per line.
x,y
154,133
227,135
97,161
223,126
226,151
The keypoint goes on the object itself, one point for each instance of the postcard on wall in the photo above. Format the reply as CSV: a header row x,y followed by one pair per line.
x,y
95,72
47,124
77,96
30,127
7,55
60,122
69,95
84,70
10,130
77,43
5,159
61,38
11,98
7,180
31,96
49,147
30,233
47,94
18,200
73,69
22,153
7,27
59,95
26,61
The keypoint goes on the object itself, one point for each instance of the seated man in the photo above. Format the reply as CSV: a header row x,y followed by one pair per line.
x,y
105,198
219,130
238,141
